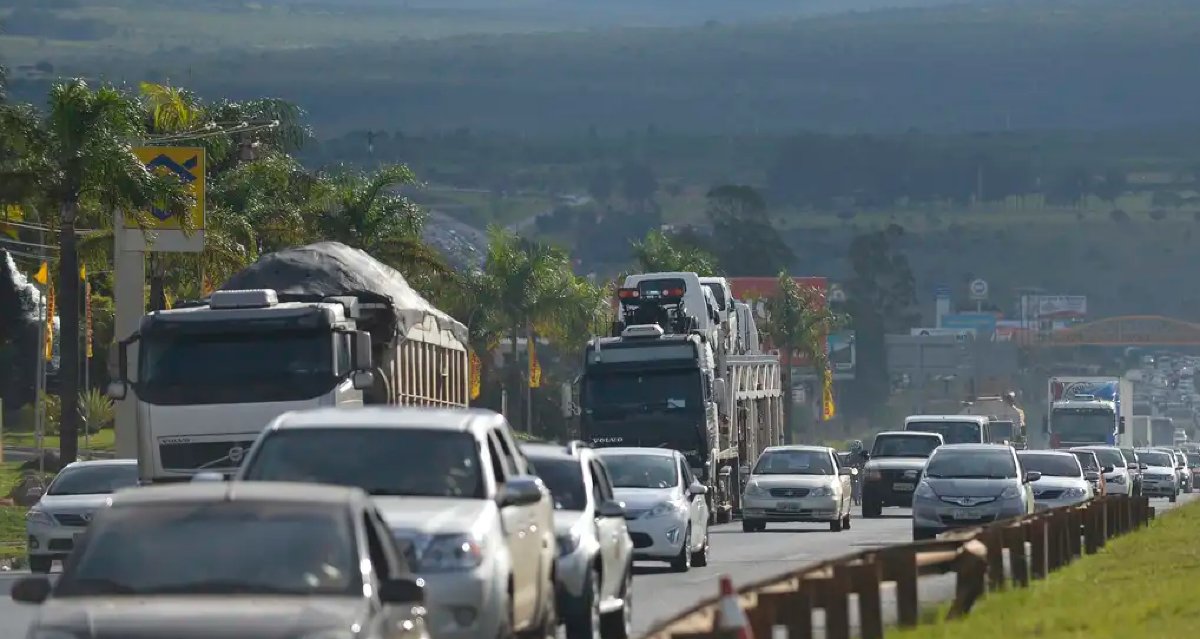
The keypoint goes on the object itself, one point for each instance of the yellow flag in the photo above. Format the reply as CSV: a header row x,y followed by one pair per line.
x,y
49,323
82,272
828,408
12,213
206,286
43,274
476,375
535,368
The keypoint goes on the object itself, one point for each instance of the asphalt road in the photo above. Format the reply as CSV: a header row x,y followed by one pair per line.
x,y
659,593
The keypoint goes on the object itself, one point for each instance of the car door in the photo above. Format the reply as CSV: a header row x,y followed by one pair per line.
x,y
699,506
517,522
611,532
386,563
844,480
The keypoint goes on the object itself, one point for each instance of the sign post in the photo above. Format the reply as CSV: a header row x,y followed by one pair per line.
x,y
979,293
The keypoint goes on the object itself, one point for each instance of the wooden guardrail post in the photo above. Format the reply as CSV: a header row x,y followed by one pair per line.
x,y
834,599
793,610
1091,528
993,541
971,575
901,567
865,580
763,616
1037,547
1076,533
1014,537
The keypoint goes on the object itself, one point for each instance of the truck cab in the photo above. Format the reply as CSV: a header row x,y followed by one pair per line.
x,y
954,429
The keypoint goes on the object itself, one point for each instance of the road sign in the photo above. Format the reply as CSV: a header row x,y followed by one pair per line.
x,y
837,295
942,292
979,289
187,163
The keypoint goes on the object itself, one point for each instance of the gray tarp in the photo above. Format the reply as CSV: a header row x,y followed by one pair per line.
x,y
328,269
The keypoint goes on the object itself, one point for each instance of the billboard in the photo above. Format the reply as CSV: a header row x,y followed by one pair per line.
x,y
1059,306
842,354
984,324
756,290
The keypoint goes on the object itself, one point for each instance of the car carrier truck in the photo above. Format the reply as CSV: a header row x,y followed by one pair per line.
x,y
318,325
657,382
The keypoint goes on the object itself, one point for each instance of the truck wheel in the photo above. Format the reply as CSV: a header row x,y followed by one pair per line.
x,y
871,508
835,525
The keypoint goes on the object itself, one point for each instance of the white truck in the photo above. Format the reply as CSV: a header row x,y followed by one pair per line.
x,y
1089,411
1007,419
318,325
658,382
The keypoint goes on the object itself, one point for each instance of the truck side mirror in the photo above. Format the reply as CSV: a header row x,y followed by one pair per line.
x,y
361,355
118,388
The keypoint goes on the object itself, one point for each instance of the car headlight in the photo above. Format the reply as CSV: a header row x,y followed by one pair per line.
x,y
665,508
36,515
568,543
1074,493
924,491
1012,492
754,490
821,491
450,552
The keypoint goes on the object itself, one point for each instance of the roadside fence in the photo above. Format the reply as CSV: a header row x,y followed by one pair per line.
x,y
1033,545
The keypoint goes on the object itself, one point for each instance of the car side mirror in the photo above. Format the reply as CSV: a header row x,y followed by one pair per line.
x,y
116,390
1032,476
1107,469
521,490
845,471
207,476
362,380
1091,475
1132,466
697,489
402,591
610,509
31,590
1143,466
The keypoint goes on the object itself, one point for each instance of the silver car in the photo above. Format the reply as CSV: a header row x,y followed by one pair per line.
x,y
62,514
594,570
1160,479
797,483
1062,482
969,485
1114,467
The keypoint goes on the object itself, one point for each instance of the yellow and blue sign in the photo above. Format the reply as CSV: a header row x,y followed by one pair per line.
x,y
187,163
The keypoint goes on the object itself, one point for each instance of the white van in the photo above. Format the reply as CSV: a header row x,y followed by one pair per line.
x,y
954,429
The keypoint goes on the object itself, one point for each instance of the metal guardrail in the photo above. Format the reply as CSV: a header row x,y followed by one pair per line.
x,y
975,555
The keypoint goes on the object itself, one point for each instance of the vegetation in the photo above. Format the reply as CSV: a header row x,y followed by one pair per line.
x,y
798,321
1163,605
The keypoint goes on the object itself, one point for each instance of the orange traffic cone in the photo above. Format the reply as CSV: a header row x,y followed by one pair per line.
x,y
730,616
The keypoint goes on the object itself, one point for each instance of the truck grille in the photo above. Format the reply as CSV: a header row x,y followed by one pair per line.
x,y
203,455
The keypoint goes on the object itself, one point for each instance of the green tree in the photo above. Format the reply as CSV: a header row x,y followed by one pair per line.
x,y
79,157
747,242
799,321
659,252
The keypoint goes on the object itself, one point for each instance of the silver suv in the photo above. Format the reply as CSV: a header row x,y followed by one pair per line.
x,y
595,553
457,494
969,485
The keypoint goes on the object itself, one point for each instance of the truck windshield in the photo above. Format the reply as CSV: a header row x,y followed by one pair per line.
x,y
619,394
904,446
951,432
1083,424
227,368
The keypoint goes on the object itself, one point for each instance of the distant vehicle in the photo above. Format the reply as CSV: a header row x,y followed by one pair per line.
x,y
1162,431
1193,462
1135,469
220,559
1088,410
1062,482
664,504
62,514
1160,478
594,570
969,485
893,469
1114,467
1092,469
954,429
456,492
797,483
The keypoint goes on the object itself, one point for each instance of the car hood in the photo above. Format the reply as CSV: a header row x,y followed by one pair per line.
x,y
435,515
968,487
1058,483
200,617
896,463
73,503
791,481
639,499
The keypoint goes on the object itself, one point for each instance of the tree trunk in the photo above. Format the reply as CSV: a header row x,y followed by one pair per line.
x,y
514,377
68,304
529,352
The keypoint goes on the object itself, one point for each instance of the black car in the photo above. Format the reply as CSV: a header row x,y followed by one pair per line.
x,y
894,468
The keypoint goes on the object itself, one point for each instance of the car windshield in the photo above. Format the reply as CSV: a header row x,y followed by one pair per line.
x,y
973,464
794,462
564,478
1156,458
951,432
382,461
94,480
216,548
642,471
903,446
1051,465
1130,456
1109,457
1087,459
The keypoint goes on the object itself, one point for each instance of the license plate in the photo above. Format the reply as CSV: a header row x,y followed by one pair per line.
x,y
902,488
787,506
963,513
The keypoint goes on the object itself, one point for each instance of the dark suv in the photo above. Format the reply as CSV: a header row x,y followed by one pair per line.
x,y
894,468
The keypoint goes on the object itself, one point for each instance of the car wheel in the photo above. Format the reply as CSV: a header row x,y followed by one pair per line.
x,y
683,561
40,564
700,557
835,525
619,623
505,628
749,525
846,522
584,620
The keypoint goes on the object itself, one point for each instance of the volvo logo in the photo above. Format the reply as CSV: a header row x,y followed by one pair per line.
x,y
236,453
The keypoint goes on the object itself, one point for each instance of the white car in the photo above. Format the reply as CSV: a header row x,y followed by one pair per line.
x,y
1161,478
457,494
1062,481
665,506
797,483
65,510
1115,467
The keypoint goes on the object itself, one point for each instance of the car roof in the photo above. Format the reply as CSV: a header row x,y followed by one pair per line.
x,y
1096,447
1056,453
100,462
799,447
970,447
453,419
634,450
246,491
946,418
909,433
547,451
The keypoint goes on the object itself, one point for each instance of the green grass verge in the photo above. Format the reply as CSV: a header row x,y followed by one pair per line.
x,y
12,518
1140,585
105,440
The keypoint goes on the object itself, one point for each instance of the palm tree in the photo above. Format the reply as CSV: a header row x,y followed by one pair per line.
x,y
661,253
79,156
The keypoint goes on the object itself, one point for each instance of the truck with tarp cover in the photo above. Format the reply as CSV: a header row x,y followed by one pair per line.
x,y
305,327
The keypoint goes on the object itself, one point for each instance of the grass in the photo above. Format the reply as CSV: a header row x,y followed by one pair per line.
x,y
105,440
1140,585
12,518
